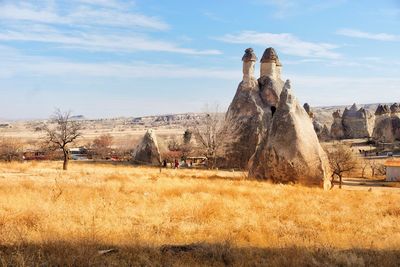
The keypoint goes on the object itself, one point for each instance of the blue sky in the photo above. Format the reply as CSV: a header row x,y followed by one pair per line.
x,y
108,58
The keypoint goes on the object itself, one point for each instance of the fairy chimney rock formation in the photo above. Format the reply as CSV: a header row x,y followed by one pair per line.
x,y
147,151
249,59
337,130
354,123
357,123
270,78
387,123
270,64
245,120
291,151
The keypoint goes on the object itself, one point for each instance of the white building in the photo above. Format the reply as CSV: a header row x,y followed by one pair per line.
x,y
392,170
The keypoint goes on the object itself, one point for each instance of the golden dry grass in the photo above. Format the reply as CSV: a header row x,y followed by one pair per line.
x,y
186,218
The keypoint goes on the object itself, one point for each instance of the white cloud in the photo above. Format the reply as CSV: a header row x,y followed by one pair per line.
x,y
81,15
285,43
367,35
97,42
87,27
14,63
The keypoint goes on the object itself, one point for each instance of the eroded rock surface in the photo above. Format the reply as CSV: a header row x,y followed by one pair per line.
x,y
387,123
357,123
245,119
337,130
250,112
291,151
320,129
353,123
147,151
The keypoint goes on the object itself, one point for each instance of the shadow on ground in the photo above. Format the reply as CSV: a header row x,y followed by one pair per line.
x,y
224,254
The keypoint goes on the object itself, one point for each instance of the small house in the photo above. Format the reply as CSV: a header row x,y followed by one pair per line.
x,y
392,170
78,153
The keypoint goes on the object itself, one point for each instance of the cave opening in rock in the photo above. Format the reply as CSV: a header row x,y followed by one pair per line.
x,y
273,109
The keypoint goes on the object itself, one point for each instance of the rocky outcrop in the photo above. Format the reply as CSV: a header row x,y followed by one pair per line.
x,y
251,109
270,78
267,123
337,130
325,134
320,129
245,119
354,123
387,123
395,108
357,123
147,151
382,110
290,152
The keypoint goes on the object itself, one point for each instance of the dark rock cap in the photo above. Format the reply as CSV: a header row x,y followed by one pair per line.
x,y
307,107
270,56
249,55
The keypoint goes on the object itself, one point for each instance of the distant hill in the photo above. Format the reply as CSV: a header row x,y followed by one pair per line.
x,y
78,117
182,120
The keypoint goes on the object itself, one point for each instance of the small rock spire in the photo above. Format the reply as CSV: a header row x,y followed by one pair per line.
x,y
249,59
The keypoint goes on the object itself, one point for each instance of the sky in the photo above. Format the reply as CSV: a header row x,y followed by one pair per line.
x,y
112,58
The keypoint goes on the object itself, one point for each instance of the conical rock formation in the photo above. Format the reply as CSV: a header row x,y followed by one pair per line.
x,y
245,124
147,151
250,113
387,123
291,151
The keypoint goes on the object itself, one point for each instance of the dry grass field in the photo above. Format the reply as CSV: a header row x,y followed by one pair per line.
x,y
186,218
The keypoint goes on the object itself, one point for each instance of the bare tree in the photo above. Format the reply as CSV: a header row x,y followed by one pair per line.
x,y
381,169
363,167
373,166
62,132
102,146
174,144
342,161
186,146
181,148
209,135
10,149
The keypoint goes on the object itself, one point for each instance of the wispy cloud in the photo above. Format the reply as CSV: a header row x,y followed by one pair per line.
x,y
105,3
80,15
14,63
285,42
132,42
92,25
368,35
